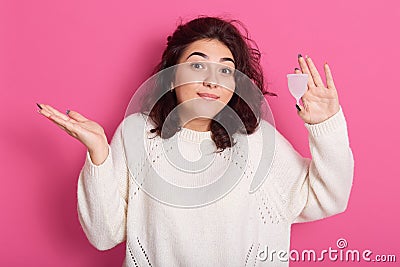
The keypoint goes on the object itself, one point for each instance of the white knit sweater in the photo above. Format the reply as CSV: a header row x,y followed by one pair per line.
x,y
231,231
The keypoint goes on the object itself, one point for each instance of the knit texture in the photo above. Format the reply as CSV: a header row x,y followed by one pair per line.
x,y
112,208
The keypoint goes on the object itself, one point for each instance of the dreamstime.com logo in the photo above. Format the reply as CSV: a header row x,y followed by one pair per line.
x,y
340,253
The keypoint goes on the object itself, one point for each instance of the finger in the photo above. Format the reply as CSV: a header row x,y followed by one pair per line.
x,y
51,116
76,116
314,72
304,112
56,112
45,112
305,69
300,110
299,107
44,107
329,78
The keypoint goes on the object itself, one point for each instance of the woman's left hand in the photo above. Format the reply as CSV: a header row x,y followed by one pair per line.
x,y
319,102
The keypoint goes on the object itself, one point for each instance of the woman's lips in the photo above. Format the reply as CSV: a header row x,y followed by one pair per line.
x,y
208,96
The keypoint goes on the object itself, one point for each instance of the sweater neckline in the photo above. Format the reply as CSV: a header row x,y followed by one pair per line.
x,y
193,135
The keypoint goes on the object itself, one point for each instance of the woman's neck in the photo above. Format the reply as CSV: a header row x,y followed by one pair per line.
x,y
199,124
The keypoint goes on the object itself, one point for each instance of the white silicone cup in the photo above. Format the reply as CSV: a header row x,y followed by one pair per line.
x,y
297,83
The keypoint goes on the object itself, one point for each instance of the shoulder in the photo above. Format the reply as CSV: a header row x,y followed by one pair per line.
x,y
267,144
134,126
137,121
135,118
266,135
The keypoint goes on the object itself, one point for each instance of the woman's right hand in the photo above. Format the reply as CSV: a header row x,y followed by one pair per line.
x,y
88,132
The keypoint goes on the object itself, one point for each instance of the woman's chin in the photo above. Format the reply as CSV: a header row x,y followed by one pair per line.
x,y
201,109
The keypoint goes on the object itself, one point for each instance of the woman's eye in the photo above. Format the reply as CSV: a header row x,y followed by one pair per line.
x,y
227,71
197,65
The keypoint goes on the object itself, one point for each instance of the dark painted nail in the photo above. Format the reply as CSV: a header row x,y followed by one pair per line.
x,y
296,69
298,107
39,106
299,56
67,112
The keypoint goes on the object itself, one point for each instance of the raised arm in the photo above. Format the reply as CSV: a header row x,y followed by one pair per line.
x,y
103,180
323,185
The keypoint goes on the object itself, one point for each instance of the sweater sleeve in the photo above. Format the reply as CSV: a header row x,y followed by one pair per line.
x,y
316,188
102,196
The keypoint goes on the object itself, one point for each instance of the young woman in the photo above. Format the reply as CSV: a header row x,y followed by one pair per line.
x,y
233,230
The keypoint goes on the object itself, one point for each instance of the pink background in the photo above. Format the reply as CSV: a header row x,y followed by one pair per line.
x,y
91,56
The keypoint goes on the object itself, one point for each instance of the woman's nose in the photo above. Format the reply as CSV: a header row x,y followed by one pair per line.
x,y
210,84
211,78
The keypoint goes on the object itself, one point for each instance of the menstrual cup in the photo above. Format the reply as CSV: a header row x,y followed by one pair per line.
x,y
297,83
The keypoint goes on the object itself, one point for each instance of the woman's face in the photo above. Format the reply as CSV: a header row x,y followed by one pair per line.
x,y
206,79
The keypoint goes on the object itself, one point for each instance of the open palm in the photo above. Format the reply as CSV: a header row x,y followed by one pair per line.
x,y
88,132
320,102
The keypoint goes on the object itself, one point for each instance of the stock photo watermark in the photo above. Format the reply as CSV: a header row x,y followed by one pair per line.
x,y
340,253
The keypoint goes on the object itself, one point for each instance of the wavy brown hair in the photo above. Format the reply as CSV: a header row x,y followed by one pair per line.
x,y
247,60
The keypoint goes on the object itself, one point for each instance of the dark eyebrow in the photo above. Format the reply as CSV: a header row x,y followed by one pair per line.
x,y
198,54
206,57
227,59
